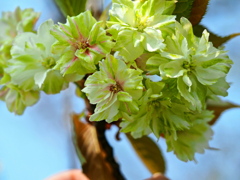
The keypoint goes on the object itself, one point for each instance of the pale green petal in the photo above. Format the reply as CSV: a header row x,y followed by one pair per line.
x,y
40,77
192,140
124,96
219,88
130,107
123,12
153,40
187,81
151,7
54,82
81,25
209,76
125,45
159,20
17,100
156,63
111,114
174,69
195,95
185,29
137,127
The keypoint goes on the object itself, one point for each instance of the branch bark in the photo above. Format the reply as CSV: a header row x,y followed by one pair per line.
x,y
101,128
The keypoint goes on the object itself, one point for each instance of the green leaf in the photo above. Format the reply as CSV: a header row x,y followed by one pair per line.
x,y
149,153
71,7
183,8
191,9
198,10
215,39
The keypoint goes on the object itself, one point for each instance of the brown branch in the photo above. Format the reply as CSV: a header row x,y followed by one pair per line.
x,y
101,128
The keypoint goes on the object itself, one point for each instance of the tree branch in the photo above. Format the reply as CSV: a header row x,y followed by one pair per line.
x,y
101,128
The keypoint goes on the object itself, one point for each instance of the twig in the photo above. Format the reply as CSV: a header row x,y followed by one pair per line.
x,y
101,128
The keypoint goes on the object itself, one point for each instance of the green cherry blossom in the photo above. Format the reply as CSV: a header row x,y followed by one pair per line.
x,y
32,63
193,61
115,89
139,25
117,65
17,99
11,24
192,140
158,114
81,42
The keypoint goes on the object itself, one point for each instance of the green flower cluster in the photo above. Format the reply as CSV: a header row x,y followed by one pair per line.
x,y
12,24
144,68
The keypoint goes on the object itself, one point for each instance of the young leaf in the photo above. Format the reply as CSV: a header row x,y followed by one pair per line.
x,y
219,108
215,39
183,8
86,136
105,14
71,7
218,41
75,119
198,10
149,153
96,7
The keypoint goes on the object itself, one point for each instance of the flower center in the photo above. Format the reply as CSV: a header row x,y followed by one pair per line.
x,y
141,23
49,62
188,66
141,26
115,88
82,44
155,103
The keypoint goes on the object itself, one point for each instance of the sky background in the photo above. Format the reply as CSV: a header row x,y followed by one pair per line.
x,y
38,143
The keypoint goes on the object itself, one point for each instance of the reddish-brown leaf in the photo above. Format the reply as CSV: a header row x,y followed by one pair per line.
x,y
96,6
96,166
183,8
218,41
199,8
215,39
149,153
219,108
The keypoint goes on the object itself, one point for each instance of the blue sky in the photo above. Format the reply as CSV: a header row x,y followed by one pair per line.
x,y
38,144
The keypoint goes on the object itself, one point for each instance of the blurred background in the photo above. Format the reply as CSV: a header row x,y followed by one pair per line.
x,y
38,144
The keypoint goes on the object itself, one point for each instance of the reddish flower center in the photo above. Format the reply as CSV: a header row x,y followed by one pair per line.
x,y
115,88
82,44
